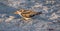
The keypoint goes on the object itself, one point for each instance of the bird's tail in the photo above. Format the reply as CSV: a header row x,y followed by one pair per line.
x,y
38,13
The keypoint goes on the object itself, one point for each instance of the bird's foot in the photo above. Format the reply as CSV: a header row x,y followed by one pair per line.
x,y
26,19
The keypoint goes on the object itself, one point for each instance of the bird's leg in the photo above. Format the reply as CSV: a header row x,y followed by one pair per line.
x,y
22,19
27,19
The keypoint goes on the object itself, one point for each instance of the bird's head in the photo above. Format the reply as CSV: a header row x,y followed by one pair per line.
x,y
19,11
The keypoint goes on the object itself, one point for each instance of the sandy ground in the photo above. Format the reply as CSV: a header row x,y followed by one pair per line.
x,y
49,21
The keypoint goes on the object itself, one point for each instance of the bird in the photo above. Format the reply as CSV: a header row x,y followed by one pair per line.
x,y
27,14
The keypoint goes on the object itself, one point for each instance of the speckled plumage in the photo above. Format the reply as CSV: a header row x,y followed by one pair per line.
x,y
27,13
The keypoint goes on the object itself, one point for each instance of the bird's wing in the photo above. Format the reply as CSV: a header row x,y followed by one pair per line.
x,y
28,14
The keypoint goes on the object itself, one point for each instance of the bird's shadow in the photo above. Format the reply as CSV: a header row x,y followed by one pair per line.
x,y
36,17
